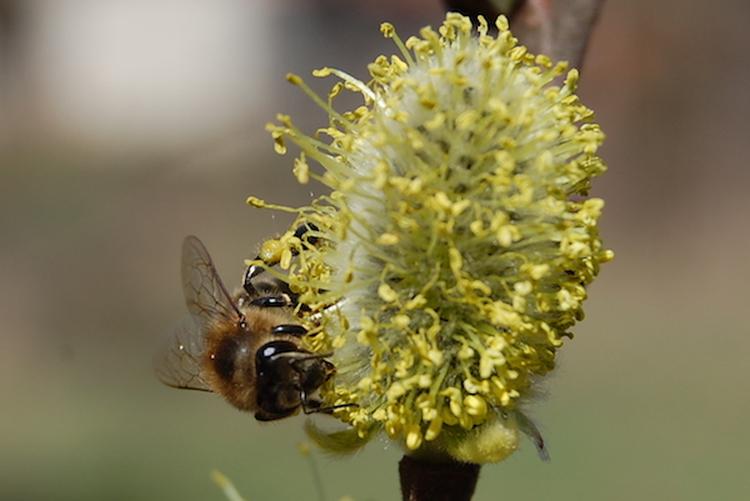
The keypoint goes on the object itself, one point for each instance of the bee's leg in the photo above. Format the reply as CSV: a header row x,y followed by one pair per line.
x,y
279,301
255,270
289,329
307,356
304,228
313,406
308,409
267,292
251,272
309,405
300,233
314,370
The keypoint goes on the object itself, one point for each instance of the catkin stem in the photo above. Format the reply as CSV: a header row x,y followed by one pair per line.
x,y
423,480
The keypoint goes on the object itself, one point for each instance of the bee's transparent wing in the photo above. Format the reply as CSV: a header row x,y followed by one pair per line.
x,y
178,364
205,294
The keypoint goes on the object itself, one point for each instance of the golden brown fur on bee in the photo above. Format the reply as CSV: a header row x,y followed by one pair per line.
x,y
229,359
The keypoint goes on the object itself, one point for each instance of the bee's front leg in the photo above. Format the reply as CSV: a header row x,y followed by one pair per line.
x,y
290,330
313,406
254,270
251,272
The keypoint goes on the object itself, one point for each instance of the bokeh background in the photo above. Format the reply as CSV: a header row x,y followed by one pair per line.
x,y
127,124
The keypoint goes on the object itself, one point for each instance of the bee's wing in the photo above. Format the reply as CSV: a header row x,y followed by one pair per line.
x,y
205,294
178,364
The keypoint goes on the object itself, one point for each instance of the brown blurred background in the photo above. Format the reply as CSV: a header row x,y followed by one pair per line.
x,y
126,125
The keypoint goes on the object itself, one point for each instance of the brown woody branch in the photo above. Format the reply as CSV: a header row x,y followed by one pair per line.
x,y
557,28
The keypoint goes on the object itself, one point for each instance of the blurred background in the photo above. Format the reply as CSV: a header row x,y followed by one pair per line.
x,y
126,125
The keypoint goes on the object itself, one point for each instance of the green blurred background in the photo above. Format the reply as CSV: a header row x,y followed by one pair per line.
x,y
125,125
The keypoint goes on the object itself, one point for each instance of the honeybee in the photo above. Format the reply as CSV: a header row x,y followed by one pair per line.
x,y
245,347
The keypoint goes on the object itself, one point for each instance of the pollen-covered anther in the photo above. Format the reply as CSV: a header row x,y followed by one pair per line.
x,y
475,406
413,436
302,169
387,293
388,239
256,202
401,321
434,428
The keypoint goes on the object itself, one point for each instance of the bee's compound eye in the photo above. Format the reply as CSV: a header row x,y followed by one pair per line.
x,y
268,361
269,350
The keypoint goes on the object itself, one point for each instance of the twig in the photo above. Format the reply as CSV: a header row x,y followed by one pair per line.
x,y
557,28
490,9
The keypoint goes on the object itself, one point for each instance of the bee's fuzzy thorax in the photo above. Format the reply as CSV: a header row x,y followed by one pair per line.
x,y
458,231
230,353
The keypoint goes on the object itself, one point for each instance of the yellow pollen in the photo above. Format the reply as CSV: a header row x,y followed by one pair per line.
x,y
453,253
